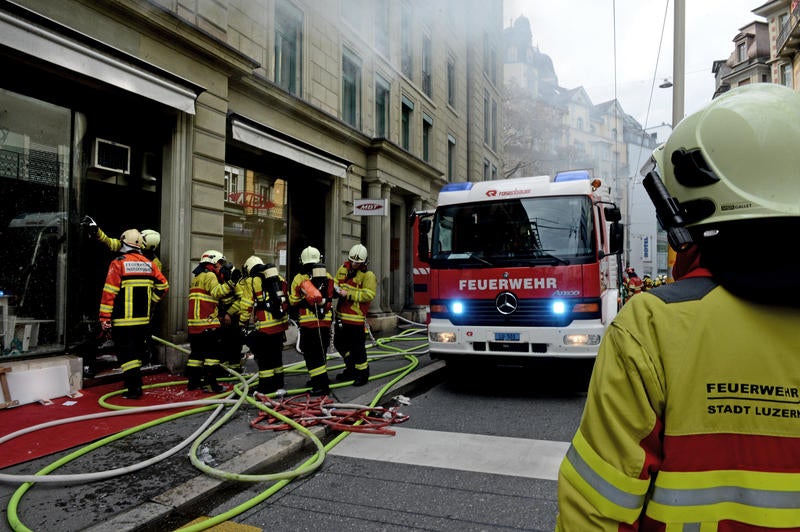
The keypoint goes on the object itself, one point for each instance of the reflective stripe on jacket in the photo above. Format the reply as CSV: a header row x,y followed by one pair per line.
x,y
361,289
133,284
204,295
697,424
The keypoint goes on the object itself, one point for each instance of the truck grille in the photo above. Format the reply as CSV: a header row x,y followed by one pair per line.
x,y
530,313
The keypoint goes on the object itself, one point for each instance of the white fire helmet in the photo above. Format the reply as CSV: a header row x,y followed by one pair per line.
x,y
212,256
310,255
250,263
358,254
132,238
150,239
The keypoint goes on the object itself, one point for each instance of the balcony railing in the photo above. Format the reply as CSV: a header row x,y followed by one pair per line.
x,y
788,29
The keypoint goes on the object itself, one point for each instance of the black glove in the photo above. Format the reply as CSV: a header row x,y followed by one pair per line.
x,y
90,226
225,271
236,275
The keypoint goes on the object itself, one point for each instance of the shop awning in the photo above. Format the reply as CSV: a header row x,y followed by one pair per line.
x,y
100,62
250,134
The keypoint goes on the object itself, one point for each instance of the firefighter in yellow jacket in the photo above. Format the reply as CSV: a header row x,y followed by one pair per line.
x,y
692,418
207,289
311,298
264,299
356,286
133,285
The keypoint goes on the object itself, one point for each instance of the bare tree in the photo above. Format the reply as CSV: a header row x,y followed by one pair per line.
x,y
534,133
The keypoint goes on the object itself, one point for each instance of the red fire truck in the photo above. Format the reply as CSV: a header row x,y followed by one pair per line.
x,y
521,268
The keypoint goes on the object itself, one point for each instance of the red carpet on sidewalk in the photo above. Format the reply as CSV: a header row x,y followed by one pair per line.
x,y
61,437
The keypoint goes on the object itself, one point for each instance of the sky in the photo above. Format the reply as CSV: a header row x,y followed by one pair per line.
x,y
579,36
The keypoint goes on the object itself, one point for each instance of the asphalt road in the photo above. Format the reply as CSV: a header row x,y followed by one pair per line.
x,y
478,452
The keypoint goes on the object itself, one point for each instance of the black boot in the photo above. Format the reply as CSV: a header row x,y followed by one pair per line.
x,y
361,378
320,385
211,380
132,380
195,376
348,374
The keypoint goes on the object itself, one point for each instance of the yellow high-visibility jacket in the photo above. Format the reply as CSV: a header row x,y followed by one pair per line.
x,y
692,418
361,287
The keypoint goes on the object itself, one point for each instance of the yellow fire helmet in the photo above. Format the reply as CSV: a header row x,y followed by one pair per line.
x,y
735,159
150,239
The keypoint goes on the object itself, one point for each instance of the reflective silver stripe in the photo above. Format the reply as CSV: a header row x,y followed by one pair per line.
x,y
691,527
749,497
601,485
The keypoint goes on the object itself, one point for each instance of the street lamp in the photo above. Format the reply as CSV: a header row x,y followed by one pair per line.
x,y
665,84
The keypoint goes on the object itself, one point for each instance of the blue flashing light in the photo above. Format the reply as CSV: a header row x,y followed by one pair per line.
x,y
572,175
559,307
457,187
457,307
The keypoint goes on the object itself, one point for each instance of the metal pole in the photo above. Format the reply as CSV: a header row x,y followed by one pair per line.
x,y
678,77
679,62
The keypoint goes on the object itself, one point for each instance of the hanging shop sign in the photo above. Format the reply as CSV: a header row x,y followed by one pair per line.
x,y
371,207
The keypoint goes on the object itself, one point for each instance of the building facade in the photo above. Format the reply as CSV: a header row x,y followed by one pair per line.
x,y
251,127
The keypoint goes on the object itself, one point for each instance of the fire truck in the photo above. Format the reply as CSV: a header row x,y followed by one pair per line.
x,y
522,268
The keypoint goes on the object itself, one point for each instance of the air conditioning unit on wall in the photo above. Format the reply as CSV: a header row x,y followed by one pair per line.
x,y
111,156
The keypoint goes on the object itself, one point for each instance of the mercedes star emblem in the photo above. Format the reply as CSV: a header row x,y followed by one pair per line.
x,y
506,303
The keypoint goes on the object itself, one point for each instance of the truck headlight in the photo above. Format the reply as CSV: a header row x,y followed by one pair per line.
x,y
581,339
442,337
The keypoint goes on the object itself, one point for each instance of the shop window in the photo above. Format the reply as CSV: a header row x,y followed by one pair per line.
x,y
256,222
34,176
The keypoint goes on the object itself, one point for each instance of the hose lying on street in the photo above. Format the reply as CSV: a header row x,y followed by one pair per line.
x,y
380,348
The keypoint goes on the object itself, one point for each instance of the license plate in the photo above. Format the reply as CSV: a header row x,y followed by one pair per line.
x,y
506,337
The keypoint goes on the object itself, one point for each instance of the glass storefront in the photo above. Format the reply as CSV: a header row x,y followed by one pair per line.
x,y
35,159
256,217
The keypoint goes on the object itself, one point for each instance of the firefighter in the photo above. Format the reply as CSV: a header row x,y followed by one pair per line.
x,y
150,239
633,284
207,289
690,420
133,285
264,298
356,286
647,283
310,297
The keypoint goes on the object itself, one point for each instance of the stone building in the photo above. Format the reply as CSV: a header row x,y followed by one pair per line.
x,y
258,126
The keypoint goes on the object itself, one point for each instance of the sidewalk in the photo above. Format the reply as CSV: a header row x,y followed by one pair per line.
x,y
173,492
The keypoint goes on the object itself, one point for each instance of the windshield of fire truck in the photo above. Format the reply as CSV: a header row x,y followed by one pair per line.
x,y
542,230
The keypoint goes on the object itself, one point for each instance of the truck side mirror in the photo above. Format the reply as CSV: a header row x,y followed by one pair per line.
x,y
616,240
612,214
423,229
